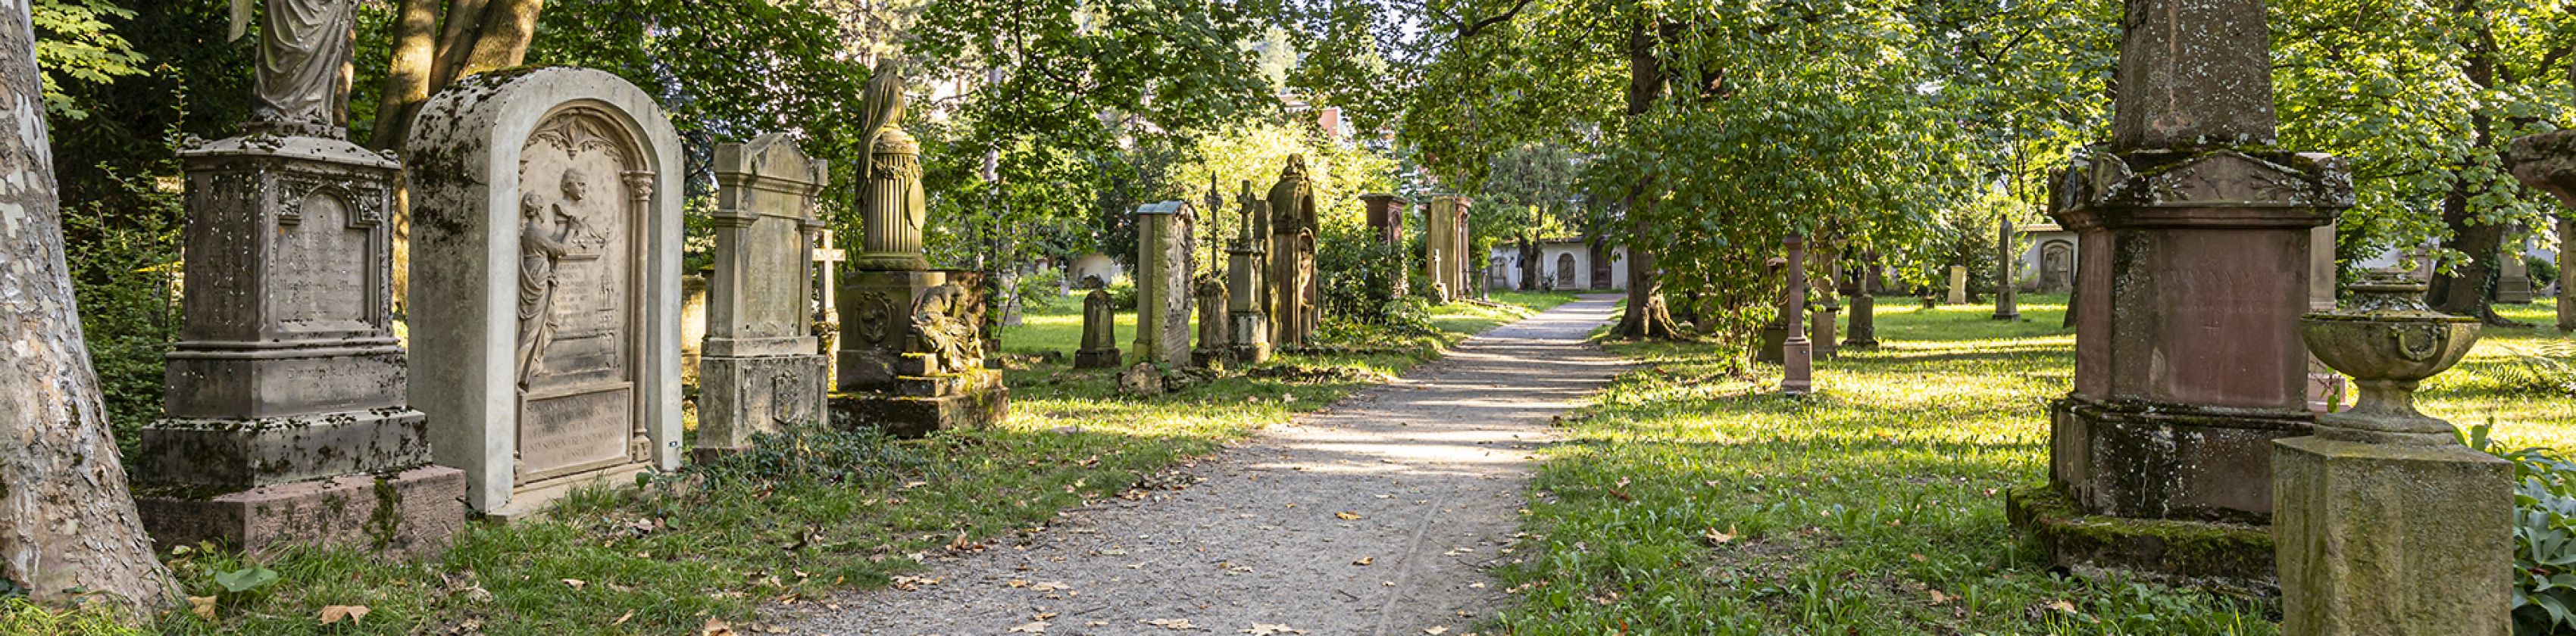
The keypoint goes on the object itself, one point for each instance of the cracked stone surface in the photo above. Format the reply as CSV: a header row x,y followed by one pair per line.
x,y
1430,470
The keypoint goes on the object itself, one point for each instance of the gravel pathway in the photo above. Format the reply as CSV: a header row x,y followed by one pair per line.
x,y
1375,516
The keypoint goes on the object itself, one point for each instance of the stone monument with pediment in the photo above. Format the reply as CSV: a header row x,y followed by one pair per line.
x,y
286,421
761,372
1165,244
1247,281
545,293
1294,289
913,347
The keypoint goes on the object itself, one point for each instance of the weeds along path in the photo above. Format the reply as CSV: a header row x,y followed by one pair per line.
x,y
1378,515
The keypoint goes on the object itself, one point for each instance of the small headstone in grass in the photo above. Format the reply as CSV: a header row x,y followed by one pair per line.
x,y
1958,285
1099,329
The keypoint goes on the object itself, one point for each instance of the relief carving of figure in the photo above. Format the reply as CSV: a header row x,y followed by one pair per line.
x,y
943,328
304,51
545,233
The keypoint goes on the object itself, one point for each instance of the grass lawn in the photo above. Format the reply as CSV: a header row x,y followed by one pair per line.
x,y
1690,501
847,512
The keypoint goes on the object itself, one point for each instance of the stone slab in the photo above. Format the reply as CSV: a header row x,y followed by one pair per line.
x,y
2167,461
261,382
906,416
411,514
230,454
745,397
2179,552
1099,359
2384,539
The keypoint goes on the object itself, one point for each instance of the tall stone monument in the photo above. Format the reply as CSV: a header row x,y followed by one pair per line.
x,y
2513,276
913,342
1099,329
2547,161
1166,239
1295,292
1444,231
2007,303
2386,523
1775,334
1863,291
762,371
1797,366
2194,239
545,287
1386,216
1826,303
1247,281
286,418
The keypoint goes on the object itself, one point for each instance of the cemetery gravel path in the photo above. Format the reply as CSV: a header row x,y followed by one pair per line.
x,y
1431,469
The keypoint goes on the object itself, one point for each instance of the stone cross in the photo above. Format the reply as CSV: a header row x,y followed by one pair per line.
x,y
827,260
1797,364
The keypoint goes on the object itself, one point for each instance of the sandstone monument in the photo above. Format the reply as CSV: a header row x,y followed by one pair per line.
x,y
762,370
1797,366
1862,289
1247,281
1445,245
1295,292
2194,235
1386,216
545,287
1099,329
1166,238
913,341
2007,304
2547,161
286,419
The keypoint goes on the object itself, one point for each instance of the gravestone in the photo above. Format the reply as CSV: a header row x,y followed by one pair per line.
x,y
1826,302
1294,289
2547,162
1797,366
1247,281
762,372
286,421
1445,246
2194,239
2386,523
1386,216
545,290
2513,277
1958,285
2007,305
1099,329
1775,334
1864,303
1166,237
1215,349
913,339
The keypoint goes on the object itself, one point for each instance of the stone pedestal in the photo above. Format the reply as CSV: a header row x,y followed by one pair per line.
x,y
1797,366
1386,217
963,400
1864,305
2513,276
762,371
1099,331
545,291
1216,347
2380,539
286,388
1247,282
1821,328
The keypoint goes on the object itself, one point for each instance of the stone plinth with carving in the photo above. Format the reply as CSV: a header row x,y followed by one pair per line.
x,y
761,371
1295,291
1247,282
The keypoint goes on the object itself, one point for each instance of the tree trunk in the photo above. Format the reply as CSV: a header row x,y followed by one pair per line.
x,y
1647,317
67,520
2468,289
477,37
1529,264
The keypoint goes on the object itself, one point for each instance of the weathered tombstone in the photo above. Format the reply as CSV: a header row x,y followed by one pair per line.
x,y
2547,162
1863,331
545,290
1165,241
2007,303
286,418
1958,285
1215,349
2194,246
2513,279
1099,329
1826,301
2386,523
1386,216
913,340
1444,230
1797,366
762,371
1246,281
1294,289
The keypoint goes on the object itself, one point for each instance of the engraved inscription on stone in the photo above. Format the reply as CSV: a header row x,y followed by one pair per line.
x,y
576,296
774,306
321,267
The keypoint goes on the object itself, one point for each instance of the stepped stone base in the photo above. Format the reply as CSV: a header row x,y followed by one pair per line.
x,y
412,514
968,400
1109,358
2173,551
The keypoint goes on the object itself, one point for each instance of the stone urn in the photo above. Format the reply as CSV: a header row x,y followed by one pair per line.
x,y
2388,341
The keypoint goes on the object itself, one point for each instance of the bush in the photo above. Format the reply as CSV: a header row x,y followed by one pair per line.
x,y
122,263
2544,536
1039,290
1122,294
2543,271
19,616
1358,275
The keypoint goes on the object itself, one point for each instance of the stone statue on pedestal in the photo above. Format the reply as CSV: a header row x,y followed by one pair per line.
x,y
304,52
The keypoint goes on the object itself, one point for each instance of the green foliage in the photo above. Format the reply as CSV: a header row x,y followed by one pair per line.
x,y
2543,270
2544,534
2545,370
803,455
247,579
75,44
1358,275
19,616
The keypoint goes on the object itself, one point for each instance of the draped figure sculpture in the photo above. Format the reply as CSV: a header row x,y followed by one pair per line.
x,y
302,87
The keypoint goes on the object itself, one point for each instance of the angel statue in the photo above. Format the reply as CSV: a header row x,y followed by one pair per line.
x,y
304,52
942,328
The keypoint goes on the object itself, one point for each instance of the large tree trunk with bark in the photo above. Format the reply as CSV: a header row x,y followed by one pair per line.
x,y
478,36
1647,317
67,521
2467,290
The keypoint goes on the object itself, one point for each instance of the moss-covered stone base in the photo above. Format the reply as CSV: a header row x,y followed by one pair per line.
x,y
908,416
2162,549
409,514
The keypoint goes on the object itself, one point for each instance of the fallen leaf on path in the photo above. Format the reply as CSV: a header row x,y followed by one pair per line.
x,y
716,628
622,618
1939,598
1435,630
1347,516
575,583
1365,561
1171,623
1716,538
1038,627
1259,629
1049,586
333,613
202,606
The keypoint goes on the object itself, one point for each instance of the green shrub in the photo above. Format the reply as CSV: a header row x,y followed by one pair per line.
x,y
1122,294
1358,275
808,454
2542,370
122,264
2544,536
20,616
1040,290
2543,271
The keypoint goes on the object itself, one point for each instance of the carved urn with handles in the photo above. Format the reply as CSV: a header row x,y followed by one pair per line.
x,y
2388,341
